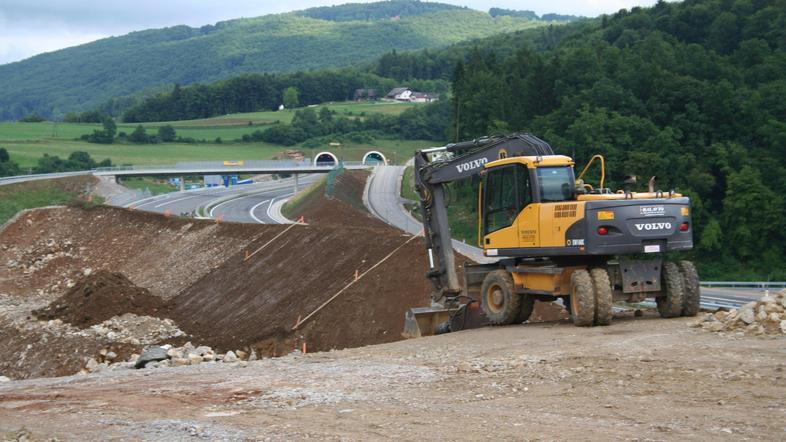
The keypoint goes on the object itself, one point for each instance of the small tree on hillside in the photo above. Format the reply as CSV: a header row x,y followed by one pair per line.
x,y
167,134
106,136
4,157
291,99
139,136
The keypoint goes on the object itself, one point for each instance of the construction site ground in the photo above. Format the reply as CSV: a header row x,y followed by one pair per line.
x,y
77,284
642,379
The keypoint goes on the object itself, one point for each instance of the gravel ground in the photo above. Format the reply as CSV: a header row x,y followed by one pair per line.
x,y
644,378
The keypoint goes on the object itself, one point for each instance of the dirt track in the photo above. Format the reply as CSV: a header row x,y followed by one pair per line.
x,y
644,378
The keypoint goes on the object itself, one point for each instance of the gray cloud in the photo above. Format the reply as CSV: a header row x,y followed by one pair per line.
x,y
29,27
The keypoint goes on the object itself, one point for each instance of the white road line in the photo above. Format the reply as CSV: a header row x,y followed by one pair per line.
x,y
268,208
174,201
221,204
251,212
136,203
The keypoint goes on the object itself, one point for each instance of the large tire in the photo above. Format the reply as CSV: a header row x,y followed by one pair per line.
x,y
672,295
527,306
582,299
691,290
604,301
499,300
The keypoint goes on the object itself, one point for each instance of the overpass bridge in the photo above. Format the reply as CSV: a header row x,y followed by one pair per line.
x,y
322,164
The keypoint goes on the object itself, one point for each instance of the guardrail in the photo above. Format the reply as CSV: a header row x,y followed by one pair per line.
x,y
213,165
753,284
40,176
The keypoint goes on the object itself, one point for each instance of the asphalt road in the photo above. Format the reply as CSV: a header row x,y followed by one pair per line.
x,y
251,203
384,200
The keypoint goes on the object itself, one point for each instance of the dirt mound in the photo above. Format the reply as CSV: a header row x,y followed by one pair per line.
x,y
342,205
100,296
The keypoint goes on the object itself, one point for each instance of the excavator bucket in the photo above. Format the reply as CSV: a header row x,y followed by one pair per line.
x,y
429,321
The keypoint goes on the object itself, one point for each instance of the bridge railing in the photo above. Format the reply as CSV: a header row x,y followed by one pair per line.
x,y
237,166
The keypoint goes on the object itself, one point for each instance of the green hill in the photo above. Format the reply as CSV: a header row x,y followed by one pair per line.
x,y
83,77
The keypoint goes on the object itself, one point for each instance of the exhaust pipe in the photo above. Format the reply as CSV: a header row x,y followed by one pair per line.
x,y
653,182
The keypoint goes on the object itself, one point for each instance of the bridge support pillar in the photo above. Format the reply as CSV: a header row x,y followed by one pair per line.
x,y
182,183
295,176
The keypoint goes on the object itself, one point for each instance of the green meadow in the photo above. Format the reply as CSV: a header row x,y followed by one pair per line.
x,y
27,142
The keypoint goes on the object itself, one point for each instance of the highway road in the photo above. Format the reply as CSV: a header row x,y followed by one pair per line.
x,y
384,201
251,203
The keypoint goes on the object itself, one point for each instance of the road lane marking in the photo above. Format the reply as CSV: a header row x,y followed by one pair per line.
x,y
174,201
268,209
251,212
221,204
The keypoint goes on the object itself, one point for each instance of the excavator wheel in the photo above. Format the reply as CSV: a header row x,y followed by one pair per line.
x,y
527,306
499,300
582,299
604,301
672,294
691,290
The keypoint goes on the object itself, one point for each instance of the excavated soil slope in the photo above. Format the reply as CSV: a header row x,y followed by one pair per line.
x,y
196,273
199,268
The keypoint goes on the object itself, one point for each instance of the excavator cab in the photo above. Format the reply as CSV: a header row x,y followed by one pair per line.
x,y
512,195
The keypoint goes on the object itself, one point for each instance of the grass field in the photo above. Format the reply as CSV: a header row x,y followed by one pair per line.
x,y
27,142
16,197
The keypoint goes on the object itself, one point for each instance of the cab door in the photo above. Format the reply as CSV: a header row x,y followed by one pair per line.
x,y
529,216
506,209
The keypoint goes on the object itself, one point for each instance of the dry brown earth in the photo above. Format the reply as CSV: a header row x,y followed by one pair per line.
x,y
640,379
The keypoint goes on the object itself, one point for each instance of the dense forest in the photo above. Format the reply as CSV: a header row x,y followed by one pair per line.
x,y
692,92
83,77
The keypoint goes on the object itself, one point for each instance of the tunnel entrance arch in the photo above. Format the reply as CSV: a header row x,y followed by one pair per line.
x,y
325,159
374,158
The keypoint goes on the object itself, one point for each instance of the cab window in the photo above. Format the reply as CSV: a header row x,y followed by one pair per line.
x,y
556,183
506,191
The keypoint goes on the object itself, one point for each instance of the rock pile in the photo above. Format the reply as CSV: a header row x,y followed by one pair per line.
x,y
767,316
169,356
137,330
35,257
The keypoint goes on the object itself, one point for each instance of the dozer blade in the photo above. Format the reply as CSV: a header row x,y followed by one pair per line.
x,y
429,321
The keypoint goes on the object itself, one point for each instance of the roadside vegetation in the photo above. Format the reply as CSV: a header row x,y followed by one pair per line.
x,y
17,197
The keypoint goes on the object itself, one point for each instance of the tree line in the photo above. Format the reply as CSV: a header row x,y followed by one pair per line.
x,y
692,92
262,92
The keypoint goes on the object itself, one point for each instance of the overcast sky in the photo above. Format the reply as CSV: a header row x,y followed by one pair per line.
x,y
29,27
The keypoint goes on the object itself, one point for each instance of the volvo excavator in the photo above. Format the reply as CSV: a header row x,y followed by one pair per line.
x,y
549,236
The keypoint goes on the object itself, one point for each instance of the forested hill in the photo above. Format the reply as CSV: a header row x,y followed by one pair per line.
x,y
693,92
83,77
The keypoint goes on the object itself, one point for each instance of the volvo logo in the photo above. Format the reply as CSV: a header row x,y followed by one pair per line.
x,y
653,226
471,165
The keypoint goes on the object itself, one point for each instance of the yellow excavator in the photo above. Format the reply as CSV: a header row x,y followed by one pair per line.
x,y
552,236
